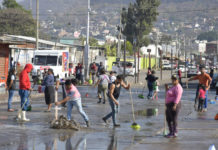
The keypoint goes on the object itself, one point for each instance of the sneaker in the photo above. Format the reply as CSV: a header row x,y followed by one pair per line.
x,y
175,134
10,110
170,135
205,110
87,124
105,121
116,125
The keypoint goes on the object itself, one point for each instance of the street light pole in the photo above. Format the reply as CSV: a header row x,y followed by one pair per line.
x,y
86,55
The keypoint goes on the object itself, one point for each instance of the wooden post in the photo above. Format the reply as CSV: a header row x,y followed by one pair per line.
x,y
56,107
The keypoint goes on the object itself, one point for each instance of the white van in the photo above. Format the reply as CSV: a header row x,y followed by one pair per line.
x,y
58,60
118,67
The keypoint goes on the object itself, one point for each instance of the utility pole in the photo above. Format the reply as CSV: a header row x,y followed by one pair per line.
x,y
124,57
171,60
134,50
37,24
156,44
138,65
119,40
30,5
185,57
161,70
86,55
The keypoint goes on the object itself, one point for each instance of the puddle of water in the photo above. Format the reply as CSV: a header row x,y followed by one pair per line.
x,y
147,112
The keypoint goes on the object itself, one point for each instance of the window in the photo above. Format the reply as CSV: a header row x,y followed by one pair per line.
x,y
46,60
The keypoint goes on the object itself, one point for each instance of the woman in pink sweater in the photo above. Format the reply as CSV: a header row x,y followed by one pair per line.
x,y
173,105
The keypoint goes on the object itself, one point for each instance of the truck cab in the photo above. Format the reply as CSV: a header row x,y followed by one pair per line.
x,y
58,60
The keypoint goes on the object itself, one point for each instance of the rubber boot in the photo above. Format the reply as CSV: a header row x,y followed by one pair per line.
x,y
23,117
19,115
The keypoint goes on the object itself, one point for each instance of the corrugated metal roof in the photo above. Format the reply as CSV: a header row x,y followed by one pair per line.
x,y
32,40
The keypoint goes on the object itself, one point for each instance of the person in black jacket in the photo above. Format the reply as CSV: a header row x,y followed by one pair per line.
x,y
150,81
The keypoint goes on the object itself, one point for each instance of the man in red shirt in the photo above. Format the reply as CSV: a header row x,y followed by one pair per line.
x,y
24,88
205,80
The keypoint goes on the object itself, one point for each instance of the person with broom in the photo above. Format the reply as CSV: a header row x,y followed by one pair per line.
x,y
24,89
73,99
114,94
49,92
173,105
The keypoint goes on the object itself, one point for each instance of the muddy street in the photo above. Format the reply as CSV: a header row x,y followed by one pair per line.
x,y
37,134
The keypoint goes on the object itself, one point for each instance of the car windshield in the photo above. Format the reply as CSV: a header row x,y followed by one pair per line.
x,y
46,60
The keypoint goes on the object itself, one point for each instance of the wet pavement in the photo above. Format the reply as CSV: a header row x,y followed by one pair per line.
x,y
197,131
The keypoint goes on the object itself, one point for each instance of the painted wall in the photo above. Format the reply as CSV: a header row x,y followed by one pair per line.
x,y
144,62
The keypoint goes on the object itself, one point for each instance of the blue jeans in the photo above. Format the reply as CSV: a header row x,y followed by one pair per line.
x,y
114,109
10,97
206,98
78,105
150,90
24,96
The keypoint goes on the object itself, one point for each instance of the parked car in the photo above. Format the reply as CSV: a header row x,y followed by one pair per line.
x,y
182,68
192,66
166,66
118,67
192,72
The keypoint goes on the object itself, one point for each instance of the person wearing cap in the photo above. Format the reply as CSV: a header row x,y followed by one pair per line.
x,y
173,105
205,80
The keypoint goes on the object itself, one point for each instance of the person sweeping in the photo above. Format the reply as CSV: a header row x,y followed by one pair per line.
x,y
49,92
73,99
24,89
114,94
173,105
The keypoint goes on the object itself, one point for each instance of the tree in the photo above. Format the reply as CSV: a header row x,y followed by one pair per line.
x,y
111,49
209,36
14,19
11,4
138,20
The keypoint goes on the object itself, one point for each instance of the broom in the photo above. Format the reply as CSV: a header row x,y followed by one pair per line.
x,y
141,95
165,119
134,124
56,107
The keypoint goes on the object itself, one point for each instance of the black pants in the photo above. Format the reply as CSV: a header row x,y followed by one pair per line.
x,y
200,104
180,81
171,116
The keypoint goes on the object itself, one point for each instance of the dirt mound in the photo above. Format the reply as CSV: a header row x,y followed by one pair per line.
x,y
63,123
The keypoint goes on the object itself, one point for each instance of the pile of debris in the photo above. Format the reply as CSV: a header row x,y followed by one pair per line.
x,y
63,123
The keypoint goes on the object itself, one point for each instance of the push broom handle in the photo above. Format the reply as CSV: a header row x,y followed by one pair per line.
x,y
133,114
56,107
